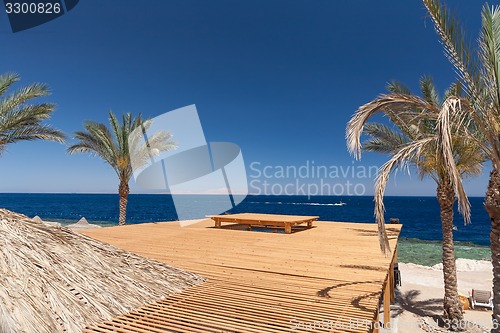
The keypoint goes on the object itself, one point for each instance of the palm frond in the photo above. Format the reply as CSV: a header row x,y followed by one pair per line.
x,y
455,44
88,143
115,126
144,147
396,87
400,159
21,96
424,130
472,70
470,161
119,145
429,91
28,115
6,80
489,52
382,139
445,147
30,133
103,135
400,108
20,120
97,141
455,90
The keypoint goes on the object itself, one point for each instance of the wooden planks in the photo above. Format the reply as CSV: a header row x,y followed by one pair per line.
x,y
325,279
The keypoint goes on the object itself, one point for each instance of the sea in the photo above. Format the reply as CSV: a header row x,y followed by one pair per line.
x,y
420,240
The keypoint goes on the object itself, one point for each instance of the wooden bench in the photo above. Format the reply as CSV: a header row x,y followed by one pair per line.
x,y
274,220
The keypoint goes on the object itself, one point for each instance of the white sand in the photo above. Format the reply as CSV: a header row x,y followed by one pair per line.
x,y
468,265
421,295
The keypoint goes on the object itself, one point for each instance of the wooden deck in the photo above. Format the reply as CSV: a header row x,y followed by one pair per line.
x,y
329,278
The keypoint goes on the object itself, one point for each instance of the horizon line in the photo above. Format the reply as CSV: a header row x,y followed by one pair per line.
x,y
219,194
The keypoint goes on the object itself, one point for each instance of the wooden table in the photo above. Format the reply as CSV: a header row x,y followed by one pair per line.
x,y
286,221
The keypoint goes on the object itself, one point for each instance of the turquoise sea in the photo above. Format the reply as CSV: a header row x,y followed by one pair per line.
x,y
419,242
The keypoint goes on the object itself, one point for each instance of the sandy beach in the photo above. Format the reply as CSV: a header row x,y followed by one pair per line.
x,y
419,299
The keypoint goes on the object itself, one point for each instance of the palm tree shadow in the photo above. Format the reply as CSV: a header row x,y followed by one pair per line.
x,y
392,233
356,302
423,308
408,301
325,291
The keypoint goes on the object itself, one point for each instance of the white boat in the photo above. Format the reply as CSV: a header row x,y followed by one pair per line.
x,y
340,203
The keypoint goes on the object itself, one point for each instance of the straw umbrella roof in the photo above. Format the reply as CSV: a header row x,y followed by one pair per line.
x,y
52,224
83,224
55,280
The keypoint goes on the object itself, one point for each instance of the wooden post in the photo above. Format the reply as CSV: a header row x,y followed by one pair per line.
x,y
387,302
391,280
376,324
393,284
288,228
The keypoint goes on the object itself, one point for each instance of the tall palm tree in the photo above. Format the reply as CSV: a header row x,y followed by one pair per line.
x,y
413,141
20,120
113,146
479,71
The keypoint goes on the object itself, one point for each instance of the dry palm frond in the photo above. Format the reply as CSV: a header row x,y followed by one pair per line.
x,y
54,280
437,137
398,107
446,150
401,158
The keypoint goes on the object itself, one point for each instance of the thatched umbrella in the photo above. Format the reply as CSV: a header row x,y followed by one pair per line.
x,y
82,224
55,280
52,224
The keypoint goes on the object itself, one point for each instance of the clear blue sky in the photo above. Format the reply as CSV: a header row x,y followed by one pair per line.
x,y
281,78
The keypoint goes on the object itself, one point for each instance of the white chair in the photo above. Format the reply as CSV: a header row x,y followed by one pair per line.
x,y
481,298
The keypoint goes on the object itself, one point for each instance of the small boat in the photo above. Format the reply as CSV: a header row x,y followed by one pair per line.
x,y
455,228
340,203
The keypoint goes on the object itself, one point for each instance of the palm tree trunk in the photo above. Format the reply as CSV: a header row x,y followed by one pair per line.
x,y
123,191
492,205
453,310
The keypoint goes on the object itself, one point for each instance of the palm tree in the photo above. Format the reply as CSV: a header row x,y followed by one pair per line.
x,y
414,142
19,119
479,71
113,147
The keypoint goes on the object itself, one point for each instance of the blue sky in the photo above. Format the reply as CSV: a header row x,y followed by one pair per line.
x,y
281,78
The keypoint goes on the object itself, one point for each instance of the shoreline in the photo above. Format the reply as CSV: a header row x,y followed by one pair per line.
x,y
429,253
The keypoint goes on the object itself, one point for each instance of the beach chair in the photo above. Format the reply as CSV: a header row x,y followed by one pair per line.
x,y
397,276
481,298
